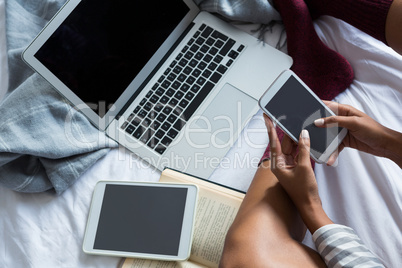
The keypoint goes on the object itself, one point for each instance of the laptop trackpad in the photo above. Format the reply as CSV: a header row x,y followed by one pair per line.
x,y
224,118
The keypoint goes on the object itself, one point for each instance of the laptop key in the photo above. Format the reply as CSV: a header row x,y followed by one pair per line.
x,y
218,59
177,111
146,136
173,102
137,134
164,100
227,47
222,69
170,92
171,118
199,56
177,69
167,110
142,114
171,77
183,62
206,73
208,30
194,48
172,133
203,93
179,56
184,50
189,96
207,58
154,99
212,66
161,117
179,95
220,35
131,116
159,91
219,43
210,41
196,72
213,51
179,124
160,149
166,126
187,70
148,106
216,77
166,141
201,81
195,88
186,87
155,125
202,65
189,55
125,124
200,40
143,101
159,134
183,103
152,143
136,121
130,129
176,84
166,84
233,54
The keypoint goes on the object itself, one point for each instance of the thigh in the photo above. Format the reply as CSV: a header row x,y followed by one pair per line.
x,y
267,229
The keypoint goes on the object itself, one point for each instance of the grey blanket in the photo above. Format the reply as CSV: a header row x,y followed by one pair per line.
x,y
44,143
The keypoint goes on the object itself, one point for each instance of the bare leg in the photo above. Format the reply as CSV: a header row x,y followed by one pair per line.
x,y
267,229
393,26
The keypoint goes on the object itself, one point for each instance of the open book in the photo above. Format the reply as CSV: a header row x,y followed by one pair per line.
x,y
216,209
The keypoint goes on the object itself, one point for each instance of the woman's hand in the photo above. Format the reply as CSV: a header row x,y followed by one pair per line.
x,y
364,133
294,172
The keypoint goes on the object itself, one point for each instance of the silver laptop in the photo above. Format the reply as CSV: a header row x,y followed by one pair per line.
x,y
172,84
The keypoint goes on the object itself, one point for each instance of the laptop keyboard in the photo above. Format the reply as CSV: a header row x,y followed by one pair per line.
x,y
177,94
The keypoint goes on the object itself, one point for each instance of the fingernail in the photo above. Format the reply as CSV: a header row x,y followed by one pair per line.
x,y
319,122
305,134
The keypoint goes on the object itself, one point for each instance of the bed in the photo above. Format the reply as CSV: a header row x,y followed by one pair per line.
x,y
361,191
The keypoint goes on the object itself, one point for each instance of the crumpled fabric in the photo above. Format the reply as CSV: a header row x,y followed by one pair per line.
x,y
254,11
45,144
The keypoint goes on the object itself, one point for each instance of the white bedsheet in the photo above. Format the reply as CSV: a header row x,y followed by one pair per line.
x,y
363,192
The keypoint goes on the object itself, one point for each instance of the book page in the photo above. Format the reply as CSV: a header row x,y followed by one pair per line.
x,y
134,263
169,175
216,209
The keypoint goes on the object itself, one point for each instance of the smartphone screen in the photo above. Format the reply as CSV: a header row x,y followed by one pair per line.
x,y
296,109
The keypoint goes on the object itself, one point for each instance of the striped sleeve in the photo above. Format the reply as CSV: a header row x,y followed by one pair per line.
x,y
340,246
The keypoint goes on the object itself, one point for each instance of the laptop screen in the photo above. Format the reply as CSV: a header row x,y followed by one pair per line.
x,y
103,44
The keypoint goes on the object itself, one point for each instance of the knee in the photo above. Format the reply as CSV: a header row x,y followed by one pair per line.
x,y
233,252
240,251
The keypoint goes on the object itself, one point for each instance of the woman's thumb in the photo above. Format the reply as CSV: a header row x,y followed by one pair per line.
x,y
304,147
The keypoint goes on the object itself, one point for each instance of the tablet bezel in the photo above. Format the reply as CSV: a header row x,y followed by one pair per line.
x,y
186,232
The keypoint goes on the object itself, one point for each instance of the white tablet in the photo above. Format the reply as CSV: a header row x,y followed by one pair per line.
x,y
141,220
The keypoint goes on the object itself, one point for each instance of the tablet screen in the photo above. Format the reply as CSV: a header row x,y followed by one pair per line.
x,y
141,219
